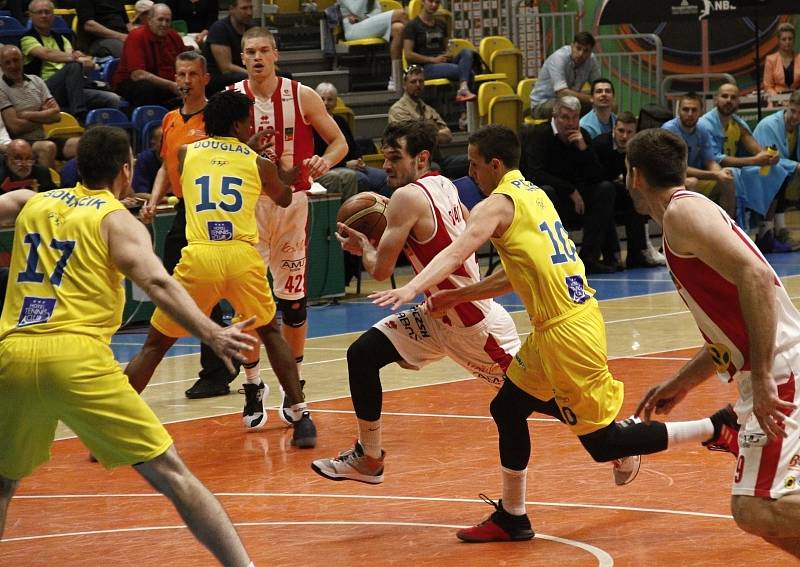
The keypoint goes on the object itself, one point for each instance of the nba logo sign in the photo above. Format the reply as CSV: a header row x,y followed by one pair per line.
x,y
289,134
575,289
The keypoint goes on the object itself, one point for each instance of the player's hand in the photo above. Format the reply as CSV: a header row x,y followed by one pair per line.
x,y
661,398
438,303
577,200
261,141
725,174
228,341
288,176
393,298
769,409
148,212
352,241
317,166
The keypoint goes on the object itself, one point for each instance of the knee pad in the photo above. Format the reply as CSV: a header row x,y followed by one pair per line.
x,y
293,311
601,444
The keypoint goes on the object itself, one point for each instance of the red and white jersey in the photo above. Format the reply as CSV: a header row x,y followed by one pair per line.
x,y
282,112
449,221
714,304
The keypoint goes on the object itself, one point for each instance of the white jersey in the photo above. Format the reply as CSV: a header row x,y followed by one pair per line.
x,y
449,223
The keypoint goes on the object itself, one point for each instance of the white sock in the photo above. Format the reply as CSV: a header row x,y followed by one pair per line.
x,y
780,221
765,227
252,373
689,431
369,435
514,490
297,410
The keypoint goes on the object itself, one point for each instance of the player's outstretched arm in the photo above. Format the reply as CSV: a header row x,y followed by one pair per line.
x,y
11,204
272,185
492,286
495,211
130,249
160,187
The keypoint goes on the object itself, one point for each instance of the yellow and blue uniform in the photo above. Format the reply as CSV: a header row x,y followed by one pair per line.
x,y
64,303
565,355
221,184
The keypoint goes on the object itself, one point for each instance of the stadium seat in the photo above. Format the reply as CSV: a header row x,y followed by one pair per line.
x,y
10,30
524,88
180,26
343,110
108,117
502,57
70,16
147,131
497,104
109,69
66,127
140,118
387,5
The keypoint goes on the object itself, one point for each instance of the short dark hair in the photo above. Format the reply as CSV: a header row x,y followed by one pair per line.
x,y
602,80
419,135
626,117
102,152
495,141
691,96
660,156
193,56
584,38
223,109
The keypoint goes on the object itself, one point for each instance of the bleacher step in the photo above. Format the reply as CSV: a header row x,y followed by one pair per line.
x,y
340,79
304,61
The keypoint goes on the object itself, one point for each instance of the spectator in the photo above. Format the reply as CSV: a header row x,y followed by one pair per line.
x,y
146,71
223,46
709,178
142,9
367,178
782,68
50,56
104,24
557,156
26,104
18,170
782,130
610,148
410,106
564,73
148,162
365,18
735,147
601,119
199,15
425,43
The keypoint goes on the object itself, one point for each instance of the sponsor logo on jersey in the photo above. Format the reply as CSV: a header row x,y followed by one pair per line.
x,y
294,265
575,289
220,230
36,310
288,134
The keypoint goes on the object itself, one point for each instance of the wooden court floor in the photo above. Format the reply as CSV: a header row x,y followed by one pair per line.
x,y
441,453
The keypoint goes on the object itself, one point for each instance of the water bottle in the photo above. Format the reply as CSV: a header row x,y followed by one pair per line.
x,y
765,169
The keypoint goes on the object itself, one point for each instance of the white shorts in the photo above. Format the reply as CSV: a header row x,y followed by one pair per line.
x,y
769,469
485,349
282,243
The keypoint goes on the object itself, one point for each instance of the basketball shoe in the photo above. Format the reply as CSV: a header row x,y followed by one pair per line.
x,y
254,415
626,469
726,432
500,526
352,464
285,409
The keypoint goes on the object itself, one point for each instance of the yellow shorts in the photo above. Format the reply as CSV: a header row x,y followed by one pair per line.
x,y
212,271
705,186
75,379
568,362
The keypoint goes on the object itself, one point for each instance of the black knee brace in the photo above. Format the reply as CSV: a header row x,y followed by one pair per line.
x,y
293,311
625,438
365,357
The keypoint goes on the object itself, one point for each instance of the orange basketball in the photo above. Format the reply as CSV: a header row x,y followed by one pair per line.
x,y
366,213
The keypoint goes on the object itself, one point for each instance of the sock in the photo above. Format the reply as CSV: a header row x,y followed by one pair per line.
x,y
514,490
685,431
765,227
299,361
297,410
252,373
251,564
780,221
369,435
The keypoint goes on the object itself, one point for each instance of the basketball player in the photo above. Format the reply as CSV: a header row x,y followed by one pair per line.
x,y
71,249
751,329
561,369
181,126
222,179
292,111
424,216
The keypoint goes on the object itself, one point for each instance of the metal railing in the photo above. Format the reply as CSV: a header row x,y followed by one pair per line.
x,y
638,74
537,34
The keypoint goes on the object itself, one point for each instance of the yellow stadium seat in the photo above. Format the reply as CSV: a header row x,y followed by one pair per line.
x,y
130,9
387,5
66,126
486,92
428,82
70,15
459,44
506,110
502,57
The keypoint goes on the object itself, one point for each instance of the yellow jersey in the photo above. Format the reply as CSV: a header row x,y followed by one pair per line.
x,y
61,278
221,184
538,256
733,135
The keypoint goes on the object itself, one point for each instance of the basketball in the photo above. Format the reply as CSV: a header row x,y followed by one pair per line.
x,y
366,213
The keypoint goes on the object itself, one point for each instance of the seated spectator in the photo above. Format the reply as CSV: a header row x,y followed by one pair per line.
x,y
557,155
223,46
18,170
367,178
735,147
199,15
146,70
410,106
782,68
781,130
50,56
26,104
365,18
148,162
610,149
142,9
425,42
601,119
104,26
563,74
707,176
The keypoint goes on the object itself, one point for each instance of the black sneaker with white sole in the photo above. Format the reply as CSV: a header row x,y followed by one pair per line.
x,y
304,435
285,409
254,415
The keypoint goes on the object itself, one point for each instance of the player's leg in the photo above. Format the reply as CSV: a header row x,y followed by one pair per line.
x,y
201,511
142,366
775,521
7,489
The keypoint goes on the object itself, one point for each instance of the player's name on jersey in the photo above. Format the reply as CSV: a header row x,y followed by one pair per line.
x,y
224,146
73,201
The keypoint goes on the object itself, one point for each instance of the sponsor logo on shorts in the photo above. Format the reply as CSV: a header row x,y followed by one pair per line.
x,y
413,325
391,324
293,265
220,230
36,310
575,289
794,463
521,362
